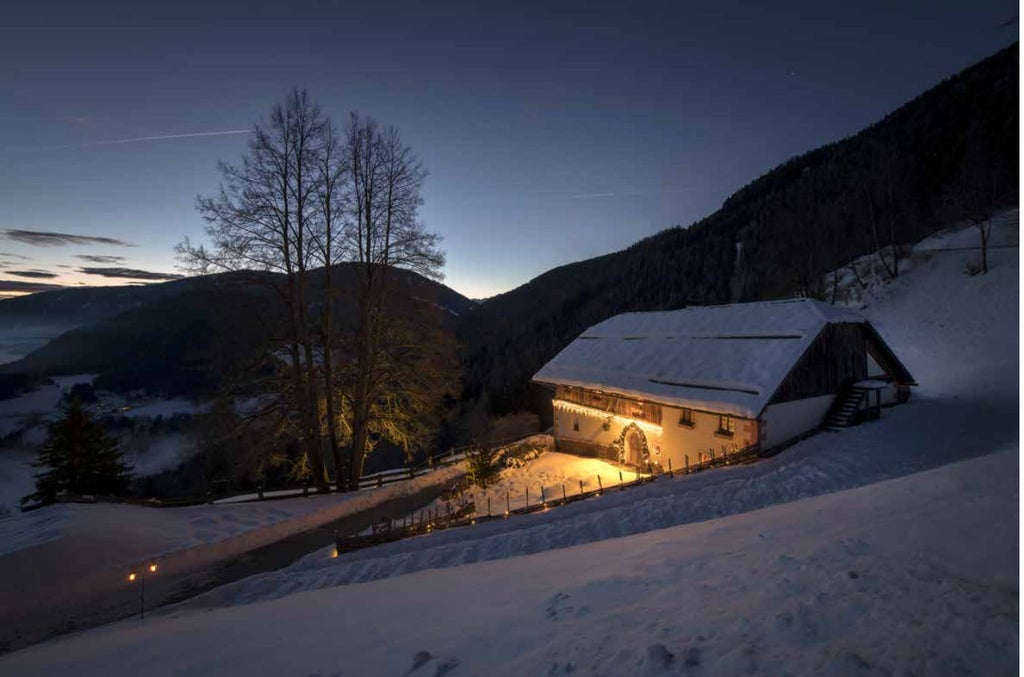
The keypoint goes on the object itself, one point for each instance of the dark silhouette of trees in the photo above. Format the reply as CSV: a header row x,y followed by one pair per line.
x,y
303,203
385,181
79,457
780,235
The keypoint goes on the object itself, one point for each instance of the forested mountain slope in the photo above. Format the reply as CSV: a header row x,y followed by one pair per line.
x,y
891,184
186,337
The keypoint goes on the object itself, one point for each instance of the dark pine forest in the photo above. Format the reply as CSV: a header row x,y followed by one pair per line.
x,y
890,185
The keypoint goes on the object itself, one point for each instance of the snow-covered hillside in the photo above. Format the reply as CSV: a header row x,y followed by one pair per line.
x,y
890,548
67,563
958,336
914,576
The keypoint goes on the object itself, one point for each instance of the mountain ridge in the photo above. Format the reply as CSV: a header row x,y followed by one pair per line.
x,y
776,236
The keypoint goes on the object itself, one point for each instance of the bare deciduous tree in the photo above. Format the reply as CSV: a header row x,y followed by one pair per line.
x,y
261,220
978,191
303,200
384,231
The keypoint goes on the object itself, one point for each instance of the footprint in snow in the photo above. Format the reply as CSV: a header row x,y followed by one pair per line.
x,y
419,660
557,606
441,668
445,666
659,657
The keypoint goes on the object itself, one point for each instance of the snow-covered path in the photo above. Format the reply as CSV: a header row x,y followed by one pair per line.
x,y
913,576
65,566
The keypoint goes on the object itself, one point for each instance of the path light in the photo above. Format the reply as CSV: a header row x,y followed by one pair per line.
x,y
140,576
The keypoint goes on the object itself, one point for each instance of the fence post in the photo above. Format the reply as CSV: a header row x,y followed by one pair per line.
x,y
508,503
563,491
259,489
488,505
543,500
670,467
527,496
600,487
412,473
581,487
380,481
620,478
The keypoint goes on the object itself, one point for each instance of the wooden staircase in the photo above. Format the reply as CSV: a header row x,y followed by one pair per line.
x,y
844,410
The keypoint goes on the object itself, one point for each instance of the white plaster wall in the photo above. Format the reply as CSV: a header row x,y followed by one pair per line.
x,y
591,428
783,422
679,441
669,442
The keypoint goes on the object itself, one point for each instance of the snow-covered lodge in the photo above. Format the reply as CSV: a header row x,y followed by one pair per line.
x,y
681,385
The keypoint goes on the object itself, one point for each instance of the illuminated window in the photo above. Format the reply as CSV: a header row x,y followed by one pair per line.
x,y
686,417
726,425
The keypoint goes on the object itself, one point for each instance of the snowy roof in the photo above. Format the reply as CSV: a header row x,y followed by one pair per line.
x,y
718,358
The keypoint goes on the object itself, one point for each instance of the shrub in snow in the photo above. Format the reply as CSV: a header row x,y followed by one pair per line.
x,y
521,455
483,466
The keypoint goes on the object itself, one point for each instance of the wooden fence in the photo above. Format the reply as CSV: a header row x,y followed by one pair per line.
x,y
466,514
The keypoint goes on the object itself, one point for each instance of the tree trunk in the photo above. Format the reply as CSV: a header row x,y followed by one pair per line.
x,y
984,228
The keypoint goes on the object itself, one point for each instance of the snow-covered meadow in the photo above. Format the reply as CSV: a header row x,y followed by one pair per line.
x,y
886,549
913,576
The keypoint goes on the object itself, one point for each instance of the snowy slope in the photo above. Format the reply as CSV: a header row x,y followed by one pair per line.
x,y
914,576
957,334
542,479
911,576
67,563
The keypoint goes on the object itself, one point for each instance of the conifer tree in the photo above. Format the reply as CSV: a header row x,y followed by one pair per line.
x,y
79,457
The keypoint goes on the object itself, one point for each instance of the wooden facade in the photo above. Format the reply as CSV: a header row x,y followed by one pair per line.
x,y
836,358
613,404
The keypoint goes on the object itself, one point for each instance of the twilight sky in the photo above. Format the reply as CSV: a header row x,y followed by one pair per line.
x,y
553,131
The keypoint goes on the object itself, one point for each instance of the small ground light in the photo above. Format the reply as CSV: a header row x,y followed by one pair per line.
x,y
141,577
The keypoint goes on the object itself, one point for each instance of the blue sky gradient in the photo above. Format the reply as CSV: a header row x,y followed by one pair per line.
x,y
552,132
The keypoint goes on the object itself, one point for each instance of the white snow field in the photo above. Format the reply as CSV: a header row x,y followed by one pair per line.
x,y
912,576
65,565
543,479
886,549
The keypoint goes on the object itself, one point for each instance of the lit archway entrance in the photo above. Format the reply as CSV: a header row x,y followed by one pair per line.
x,y
632,446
